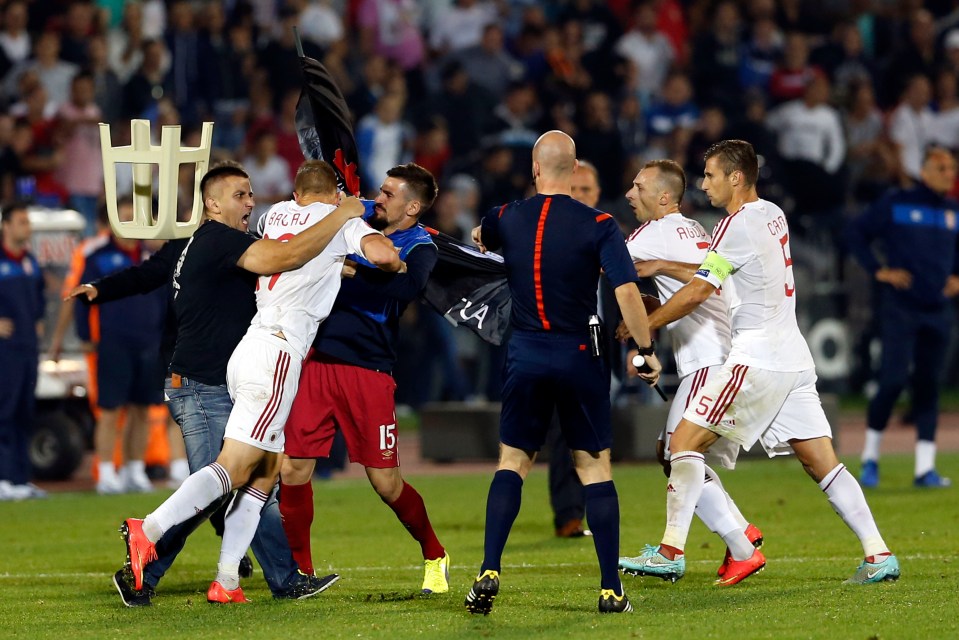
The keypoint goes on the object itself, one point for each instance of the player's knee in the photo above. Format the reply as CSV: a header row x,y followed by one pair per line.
x,y
297,471
387,486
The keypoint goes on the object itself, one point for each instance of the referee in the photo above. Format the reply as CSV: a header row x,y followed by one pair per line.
x,y
554,248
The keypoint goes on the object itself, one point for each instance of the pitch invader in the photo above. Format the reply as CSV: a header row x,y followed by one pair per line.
x,y
766,390
262,377
669,248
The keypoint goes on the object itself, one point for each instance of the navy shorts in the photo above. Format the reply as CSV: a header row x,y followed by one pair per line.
x,y
128,374
555,371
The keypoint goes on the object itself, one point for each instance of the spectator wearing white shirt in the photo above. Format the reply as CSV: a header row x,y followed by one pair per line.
x,y
648,50
910,126
813,147
461,25
945,123
319,22
15,39
383,139
270,172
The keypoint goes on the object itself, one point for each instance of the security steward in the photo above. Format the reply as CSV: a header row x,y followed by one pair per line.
x,y
916,230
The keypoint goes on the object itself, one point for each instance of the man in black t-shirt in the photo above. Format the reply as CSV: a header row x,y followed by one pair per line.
x,y
213,280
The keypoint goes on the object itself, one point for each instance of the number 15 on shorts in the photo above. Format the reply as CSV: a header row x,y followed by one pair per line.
x,y
387,436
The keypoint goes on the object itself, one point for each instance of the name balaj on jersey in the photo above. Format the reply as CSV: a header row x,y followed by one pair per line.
x,y
296,302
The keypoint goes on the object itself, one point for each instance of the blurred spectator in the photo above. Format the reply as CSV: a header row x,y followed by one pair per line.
x,y
760,55
674,114
671,22
431,149
791,77
370,86
319,22
599,142
444,216
631,124
845,60
391,29
488,64
648,50
566,78
950,52
383,140
805,16
918,55
910,126
516,120
710,129
601,30
125,42
268,171
279,58
45,154
146,87
15,41
107,90
184,80
498,182
78,28
81,171
465,103
53,73
16,181
154,19
461,25
813,147
227,62
945,122
871,158
715,62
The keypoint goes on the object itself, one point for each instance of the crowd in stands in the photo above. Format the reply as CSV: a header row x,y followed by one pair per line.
x,y
840,97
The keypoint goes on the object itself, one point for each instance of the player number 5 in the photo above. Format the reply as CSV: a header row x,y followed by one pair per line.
x,y
387,436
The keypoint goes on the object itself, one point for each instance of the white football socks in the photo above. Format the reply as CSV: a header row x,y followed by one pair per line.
x,y
846,497
925,457
239,527
870,449
688,471
195,494
714,510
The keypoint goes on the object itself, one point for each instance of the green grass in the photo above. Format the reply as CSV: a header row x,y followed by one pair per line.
x,y
59,554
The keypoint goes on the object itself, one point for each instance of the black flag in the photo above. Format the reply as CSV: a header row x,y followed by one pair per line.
x,y
324,127
468,288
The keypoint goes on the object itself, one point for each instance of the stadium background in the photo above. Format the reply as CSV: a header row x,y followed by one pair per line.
x,y
465,87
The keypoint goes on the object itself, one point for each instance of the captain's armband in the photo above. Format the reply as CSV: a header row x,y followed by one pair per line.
x,y
716,266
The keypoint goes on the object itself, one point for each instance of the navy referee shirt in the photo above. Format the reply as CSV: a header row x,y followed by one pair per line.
x,y
554,248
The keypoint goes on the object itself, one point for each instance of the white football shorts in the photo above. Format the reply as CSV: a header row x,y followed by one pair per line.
x,y
745,405
262,378
724,451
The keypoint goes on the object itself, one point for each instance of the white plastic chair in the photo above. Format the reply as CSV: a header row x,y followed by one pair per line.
x,y
169,156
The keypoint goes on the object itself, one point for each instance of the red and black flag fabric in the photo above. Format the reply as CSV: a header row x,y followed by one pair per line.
x,y
468,288
324,126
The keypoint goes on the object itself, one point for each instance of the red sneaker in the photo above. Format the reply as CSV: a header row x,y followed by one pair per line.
x,y
218,594
754,535
739,570
140,551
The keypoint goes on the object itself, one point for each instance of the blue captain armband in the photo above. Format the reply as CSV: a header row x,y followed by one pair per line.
x,y
716,266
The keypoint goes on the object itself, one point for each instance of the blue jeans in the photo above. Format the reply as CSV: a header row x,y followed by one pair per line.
x,y
202,412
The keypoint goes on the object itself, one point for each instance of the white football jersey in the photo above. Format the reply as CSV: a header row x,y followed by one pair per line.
x,y
296,302
700,339
762,301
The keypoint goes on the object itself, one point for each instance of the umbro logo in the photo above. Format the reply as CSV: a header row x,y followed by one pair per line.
x,y
669,488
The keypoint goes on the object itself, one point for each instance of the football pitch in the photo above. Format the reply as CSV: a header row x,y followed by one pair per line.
x,y
59,555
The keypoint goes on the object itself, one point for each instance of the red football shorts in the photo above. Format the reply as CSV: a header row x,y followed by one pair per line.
x,y
359,402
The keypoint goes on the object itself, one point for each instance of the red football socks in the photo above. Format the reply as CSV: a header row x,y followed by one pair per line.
x,y
296,510
411,511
